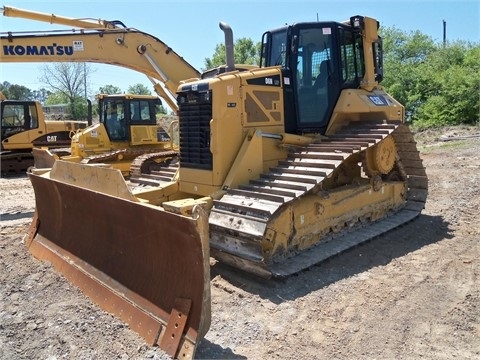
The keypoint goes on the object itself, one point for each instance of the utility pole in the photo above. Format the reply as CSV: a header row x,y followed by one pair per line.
x,y
85,79
444,32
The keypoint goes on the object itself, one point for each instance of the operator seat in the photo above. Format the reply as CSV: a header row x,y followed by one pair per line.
x,y
321,81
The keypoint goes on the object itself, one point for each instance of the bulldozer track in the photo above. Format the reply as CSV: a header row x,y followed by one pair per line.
x,y
114,155
154,168
109,156
254,204
148,168
60,151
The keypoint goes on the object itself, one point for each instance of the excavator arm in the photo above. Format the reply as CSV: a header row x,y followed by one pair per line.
x,y
98,41
54,19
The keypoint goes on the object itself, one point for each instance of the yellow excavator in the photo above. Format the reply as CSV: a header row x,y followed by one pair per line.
x,y
280,167
24,127
127,136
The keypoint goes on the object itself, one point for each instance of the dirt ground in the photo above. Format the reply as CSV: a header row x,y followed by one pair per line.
x,y
412,293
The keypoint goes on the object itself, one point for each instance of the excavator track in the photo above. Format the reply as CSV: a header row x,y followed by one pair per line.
x,y
251,206
15,163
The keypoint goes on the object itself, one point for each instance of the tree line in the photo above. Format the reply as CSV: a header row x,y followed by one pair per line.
x,y
438,83
67,83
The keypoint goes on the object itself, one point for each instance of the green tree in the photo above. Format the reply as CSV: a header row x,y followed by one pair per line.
x,y
403,53
20,92
437,83
245,52
79,105
15,92
450,86
109,89
139,89
57,98
161,110
4,88
41,95
70,79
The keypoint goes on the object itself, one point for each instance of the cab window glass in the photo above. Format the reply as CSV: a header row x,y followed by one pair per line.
x,y
353,66
32,109
140,111
13,115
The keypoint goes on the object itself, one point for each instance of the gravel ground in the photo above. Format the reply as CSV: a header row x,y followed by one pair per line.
x,y
412,293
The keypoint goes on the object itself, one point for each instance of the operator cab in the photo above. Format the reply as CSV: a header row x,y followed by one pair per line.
x,y
119,113
17,116
318,60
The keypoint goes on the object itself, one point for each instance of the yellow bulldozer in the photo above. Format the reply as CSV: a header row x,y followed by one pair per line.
x,y
127,136
280,167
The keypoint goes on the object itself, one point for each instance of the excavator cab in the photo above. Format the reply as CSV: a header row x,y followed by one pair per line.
x,y
18,117
23,127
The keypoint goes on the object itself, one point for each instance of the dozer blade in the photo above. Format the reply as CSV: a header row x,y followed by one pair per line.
x,y
43,158
139,262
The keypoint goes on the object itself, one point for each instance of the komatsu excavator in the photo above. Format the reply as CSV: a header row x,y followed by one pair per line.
x,y
128,136
23,127
281,166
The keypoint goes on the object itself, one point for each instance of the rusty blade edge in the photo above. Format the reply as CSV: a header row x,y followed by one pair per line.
x,y
113,297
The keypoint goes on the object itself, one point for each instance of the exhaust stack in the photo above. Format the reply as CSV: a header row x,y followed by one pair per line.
x,y
228,45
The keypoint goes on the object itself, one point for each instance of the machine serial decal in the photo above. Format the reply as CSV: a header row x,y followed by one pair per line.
x,y
378,100
265,81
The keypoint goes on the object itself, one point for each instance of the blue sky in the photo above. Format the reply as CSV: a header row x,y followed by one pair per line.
x,y
191,27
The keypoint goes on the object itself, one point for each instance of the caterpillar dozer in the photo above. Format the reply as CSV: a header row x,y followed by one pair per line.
x,y
128,136
24,127
280,167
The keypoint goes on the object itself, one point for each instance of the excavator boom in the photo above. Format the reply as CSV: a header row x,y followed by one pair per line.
x,y
105,42
101,41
